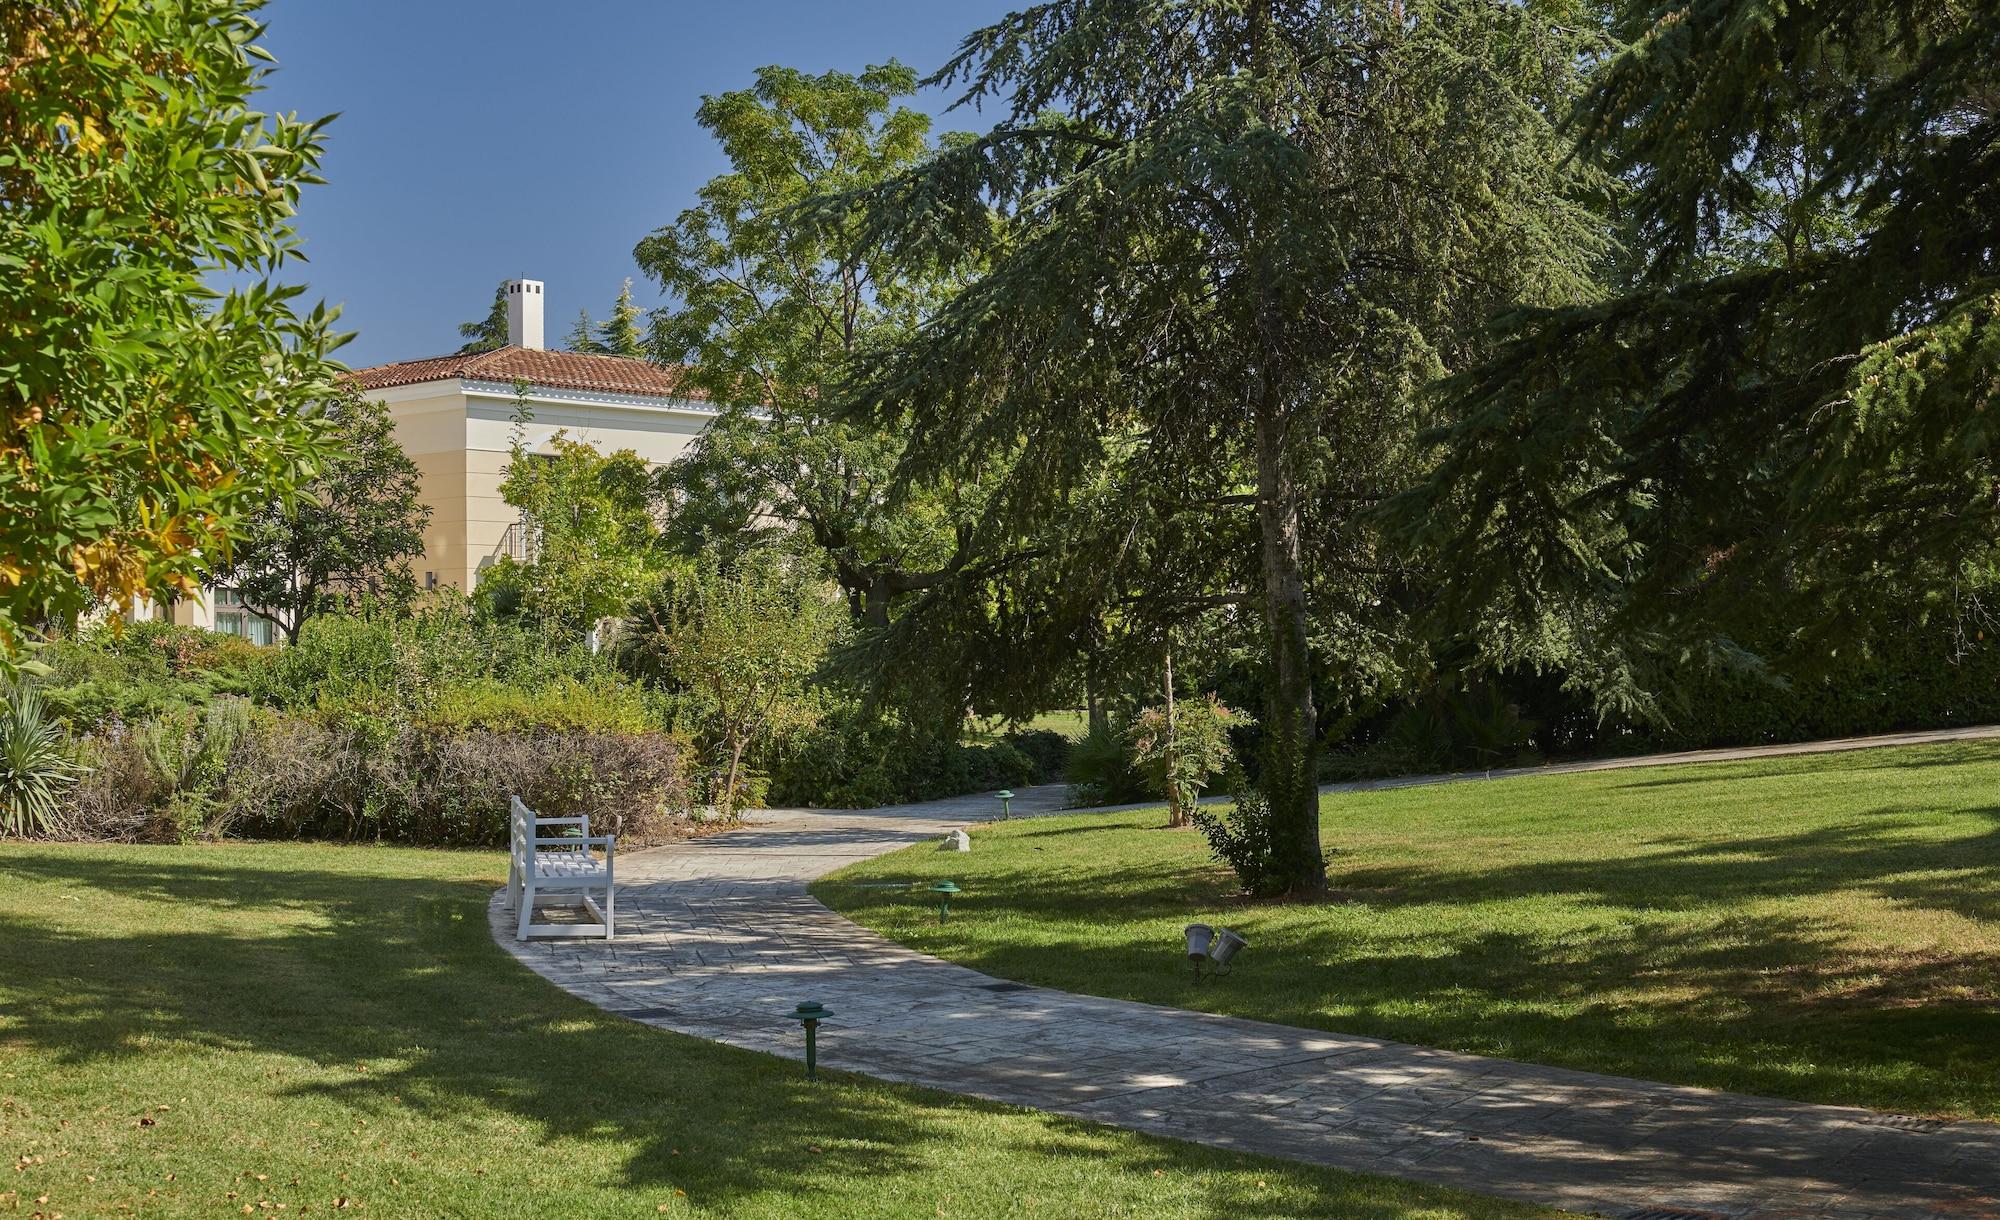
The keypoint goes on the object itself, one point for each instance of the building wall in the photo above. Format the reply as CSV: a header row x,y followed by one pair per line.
x,y
460,434
430,426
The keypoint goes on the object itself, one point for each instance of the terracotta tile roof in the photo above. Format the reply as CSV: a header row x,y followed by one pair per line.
x,y
556,370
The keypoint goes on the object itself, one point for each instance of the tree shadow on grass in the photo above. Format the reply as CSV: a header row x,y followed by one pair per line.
x,y
1677,961
1886,851
1826,765
401,975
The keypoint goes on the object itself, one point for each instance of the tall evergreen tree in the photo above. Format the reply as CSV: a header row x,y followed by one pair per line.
x,y
1234,243
582,336
619,334
1783,425
490,332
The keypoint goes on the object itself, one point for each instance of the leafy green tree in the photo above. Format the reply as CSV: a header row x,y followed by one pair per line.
x,y
490,332
774,315
1234,244
144,413
593,538
348,535
1781,427
744,641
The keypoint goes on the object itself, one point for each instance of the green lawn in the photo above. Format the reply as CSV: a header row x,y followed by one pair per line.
x,y
1817,928
224,1030
1072,724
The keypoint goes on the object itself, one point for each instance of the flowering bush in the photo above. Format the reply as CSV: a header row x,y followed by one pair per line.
x,y
1178,752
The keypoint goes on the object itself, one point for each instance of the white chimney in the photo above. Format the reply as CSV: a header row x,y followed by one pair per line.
x,y
524,313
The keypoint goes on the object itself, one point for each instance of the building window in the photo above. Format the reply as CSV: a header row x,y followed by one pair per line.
x,y
232,617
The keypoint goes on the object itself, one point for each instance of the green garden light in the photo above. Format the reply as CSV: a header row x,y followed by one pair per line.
x,y
810,1013
1006,808
944,890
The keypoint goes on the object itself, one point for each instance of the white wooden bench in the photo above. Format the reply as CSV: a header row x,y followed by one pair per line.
x,y
543,865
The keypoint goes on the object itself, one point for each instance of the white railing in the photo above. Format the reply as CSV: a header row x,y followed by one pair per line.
x,y
521,543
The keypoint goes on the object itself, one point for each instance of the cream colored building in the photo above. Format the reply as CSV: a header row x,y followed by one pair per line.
x,y
456,416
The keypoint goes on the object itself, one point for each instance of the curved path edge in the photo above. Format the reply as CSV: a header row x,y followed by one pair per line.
x,y
719,938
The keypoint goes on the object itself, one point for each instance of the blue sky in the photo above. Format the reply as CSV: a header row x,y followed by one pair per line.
x,y
499,138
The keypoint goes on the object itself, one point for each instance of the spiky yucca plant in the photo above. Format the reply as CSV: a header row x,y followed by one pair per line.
x,y
34,766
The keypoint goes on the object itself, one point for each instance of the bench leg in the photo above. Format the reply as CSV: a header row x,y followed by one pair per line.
x,y
609,925
527,911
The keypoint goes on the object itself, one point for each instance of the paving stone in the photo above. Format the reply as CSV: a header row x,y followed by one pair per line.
x,y
719,938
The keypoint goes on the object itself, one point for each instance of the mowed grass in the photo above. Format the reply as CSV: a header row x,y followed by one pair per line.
x,y
298,1029
1820,928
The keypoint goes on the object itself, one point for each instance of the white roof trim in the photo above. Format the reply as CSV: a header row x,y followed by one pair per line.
x,y
504,390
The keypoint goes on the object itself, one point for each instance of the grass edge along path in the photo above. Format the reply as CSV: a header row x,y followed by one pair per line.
x,y
227,1029
1821,927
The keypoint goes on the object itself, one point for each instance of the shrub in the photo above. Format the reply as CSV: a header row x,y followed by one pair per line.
x,y
35,769
146,669
1179,754
1241,836
601,704
850,759
1102,772
1046,748
286,777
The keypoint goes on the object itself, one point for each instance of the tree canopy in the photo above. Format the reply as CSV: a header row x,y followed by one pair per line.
x,y
490,332
1233,244
348,535
1780,424
774,314
591,535
147,414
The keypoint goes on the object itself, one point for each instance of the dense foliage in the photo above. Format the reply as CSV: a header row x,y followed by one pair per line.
x,y
1221,249
593,540
145,413
347,537
1784,412
413,728
774,315
741,646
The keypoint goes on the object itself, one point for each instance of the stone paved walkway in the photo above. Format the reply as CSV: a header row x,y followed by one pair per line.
x,y
719,938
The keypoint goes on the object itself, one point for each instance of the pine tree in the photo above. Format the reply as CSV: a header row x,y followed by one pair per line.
x,y
581,338
490,332
1782,428
618,335
1221,253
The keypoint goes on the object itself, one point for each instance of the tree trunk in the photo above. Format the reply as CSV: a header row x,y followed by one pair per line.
x,y
1178,813
729,785
1097,716
1290,779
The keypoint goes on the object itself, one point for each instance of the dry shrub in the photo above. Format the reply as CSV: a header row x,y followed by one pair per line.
x,y
286,777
